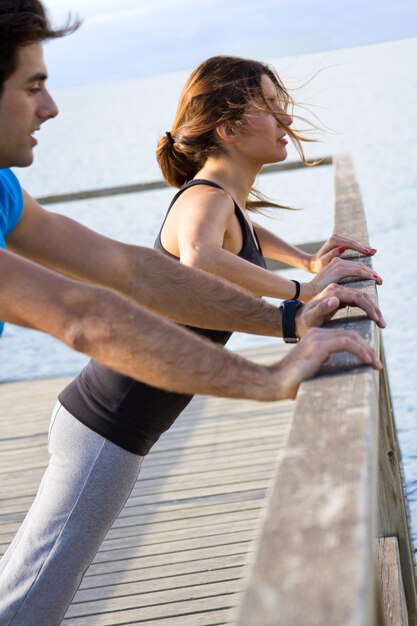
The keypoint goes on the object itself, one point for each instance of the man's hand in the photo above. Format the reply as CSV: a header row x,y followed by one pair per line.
x,y
318,344
334,297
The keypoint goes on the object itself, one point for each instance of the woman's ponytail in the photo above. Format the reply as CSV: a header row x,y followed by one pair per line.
x,y
176,165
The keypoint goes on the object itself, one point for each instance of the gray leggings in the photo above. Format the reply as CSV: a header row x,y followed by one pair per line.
x,y
86,484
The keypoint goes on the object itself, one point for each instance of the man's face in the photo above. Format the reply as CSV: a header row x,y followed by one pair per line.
x,y
24,105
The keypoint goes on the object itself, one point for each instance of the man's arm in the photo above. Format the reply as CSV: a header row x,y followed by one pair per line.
x,y
140,344
166,287
150,278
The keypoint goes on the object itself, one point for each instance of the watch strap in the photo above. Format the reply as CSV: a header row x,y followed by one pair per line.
x,y
289,308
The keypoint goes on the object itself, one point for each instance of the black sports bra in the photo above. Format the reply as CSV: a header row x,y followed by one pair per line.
x,y
251,249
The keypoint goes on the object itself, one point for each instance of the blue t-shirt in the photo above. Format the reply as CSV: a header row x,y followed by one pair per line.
x,y
11,207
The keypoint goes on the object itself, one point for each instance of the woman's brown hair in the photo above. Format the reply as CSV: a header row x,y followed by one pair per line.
x,y
219,90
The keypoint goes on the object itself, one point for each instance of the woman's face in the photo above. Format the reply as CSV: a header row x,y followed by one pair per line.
x,y
263,138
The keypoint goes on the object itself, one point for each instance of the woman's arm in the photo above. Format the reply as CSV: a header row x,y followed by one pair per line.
x,y
275,248
207,240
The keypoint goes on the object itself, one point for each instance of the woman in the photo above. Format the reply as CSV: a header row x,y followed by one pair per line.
x,y
231,120
104,423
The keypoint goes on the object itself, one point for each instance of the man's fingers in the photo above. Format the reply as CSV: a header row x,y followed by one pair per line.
x,y
332,298
325,342
318,345
352,342
352,297
316,312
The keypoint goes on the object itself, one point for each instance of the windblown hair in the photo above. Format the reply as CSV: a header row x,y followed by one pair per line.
x,y
23,22
220,90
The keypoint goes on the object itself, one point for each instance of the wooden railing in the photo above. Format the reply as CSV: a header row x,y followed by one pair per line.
x,y
334,547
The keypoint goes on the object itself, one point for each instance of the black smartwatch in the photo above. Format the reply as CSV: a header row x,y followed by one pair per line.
x,y
289,308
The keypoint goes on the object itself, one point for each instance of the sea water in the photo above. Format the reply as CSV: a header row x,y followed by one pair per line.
x,y
106,136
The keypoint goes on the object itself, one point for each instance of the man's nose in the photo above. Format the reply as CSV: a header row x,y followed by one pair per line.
x,y
47,108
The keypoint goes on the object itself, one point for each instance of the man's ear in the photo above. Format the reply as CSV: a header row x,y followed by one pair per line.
x,y
227,132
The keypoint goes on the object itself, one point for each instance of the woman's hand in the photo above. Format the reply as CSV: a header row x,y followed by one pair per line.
x,y
333,248
336,270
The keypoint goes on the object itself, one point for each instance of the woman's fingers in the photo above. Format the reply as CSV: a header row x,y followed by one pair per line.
x,y
342,268
335,247
344,243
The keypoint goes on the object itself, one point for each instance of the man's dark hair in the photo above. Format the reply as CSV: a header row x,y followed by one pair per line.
x,y
23,22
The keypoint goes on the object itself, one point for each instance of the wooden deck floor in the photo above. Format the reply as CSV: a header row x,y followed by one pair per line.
x,y
176,555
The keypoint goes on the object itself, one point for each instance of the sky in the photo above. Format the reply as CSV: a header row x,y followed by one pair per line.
x,y
121,39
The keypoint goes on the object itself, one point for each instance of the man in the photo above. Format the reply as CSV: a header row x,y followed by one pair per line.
x,y
125,330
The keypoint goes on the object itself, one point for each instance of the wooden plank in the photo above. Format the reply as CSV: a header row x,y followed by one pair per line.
x,y
391,582
154,573
393,515
192,613
136,548
163,583
149,560
175,535
204,618
155,598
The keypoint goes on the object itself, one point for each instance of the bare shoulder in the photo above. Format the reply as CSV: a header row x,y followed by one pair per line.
x,y
206,198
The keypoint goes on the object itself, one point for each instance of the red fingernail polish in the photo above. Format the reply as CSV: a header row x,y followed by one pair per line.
x,y
376,276
342,250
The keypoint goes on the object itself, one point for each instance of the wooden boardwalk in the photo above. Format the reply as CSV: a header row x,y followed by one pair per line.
x,y
176,555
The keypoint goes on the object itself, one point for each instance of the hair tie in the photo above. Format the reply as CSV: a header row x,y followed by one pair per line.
x,y
170,138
